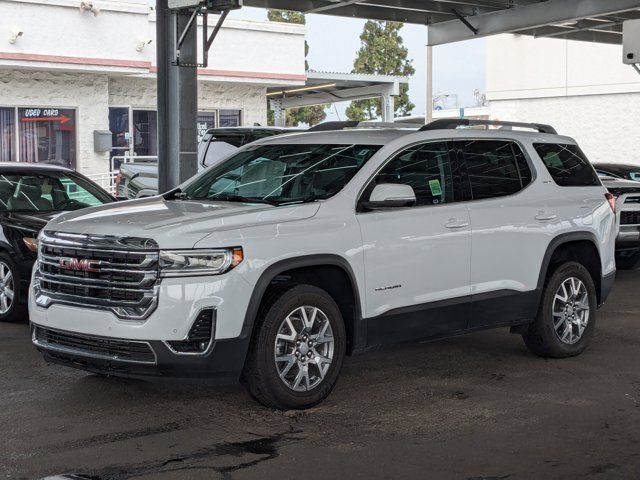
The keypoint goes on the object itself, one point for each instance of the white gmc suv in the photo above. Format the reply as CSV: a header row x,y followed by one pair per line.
x,y
300,249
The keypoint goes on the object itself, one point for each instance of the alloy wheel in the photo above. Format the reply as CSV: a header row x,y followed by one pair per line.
x,y
6,288
571,310
304,348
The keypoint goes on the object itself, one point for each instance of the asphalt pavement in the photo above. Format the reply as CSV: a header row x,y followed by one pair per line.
x,y
473,407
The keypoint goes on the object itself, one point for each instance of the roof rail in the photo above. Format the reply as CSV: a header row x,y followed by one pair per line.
x,y
327,126
334,125
452,123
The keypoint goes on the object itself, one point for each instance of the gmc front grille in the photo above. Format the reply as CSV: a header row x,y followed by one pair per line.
x,y
111,273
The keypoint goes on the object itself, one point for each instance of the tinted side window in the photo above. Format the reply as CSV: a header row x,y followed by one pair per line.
x,y
495,167
567,165
428,170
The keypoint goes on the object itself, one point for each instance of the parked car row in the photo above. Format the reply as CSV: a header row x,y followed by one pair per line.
x,y
295,250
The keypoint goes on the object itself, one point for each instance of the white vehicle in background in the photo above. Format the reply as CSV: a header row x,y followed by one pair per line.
x,y
301,249
139,179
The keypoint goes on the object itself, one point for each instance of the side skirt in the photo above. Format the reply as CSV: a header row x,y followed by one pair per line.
x,y
443,319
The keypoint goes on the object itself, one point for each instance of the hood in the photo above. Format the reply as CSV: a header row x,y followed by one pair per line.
x,y
618,186
175,223
28,221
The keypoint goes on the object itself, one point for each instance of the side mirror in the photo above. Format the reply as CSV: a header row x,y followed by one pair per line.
x,y
390,195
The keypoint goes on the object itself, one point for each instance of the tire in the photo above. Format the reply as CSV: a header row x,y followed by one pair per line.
x,y
10,282
564,334
262,373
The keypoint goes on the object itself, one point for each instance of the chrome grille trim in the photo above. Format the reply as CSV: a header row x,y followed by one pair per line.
x,y
125,280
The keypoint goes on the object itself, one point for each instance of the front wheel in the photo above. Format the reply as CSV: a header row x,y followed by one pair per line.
x,y
567,315
297,349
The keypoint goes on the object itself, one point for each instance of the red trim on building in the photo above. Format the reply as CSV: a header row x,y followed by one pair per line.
x,y
105,62
108,62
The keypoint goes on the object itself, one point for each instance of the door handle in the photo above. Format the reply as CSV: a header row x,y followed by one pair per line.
x,y
453,223
546,216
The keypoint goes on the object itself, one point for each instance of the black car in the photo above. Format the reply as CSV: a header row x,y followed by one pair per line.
x,y
30,196
624,171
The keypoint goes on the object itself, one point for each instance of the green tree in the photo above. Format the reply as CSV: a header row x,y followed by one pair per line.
x,y
295,116
382,52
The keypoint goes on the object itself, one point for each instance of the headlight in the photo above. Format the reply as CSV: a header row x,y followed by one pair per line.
x,y
188,263
31,243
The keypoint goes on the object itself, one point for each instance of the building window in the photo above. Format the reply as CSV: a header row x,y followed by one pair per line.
x,y
206,120
229,118
145,132
120,136
7,135
47,135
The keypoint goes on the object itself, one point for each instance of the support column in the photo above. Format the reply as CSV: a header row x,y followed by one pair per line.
x,y
177,101
388,108
279,114
428,117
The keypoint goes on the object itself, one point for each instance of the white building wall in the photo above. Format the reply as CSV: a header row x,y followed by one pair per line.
x,y
67,58
87,94
607,127
141,93
583,89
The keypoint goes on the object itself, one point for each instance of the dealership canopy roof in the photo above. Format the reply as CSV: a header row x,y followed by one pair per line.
x,y
329,87
455,20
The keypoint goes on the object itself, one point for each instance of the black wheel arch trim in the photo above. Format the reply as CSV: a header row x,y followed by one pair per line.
x,y
558,241
318,260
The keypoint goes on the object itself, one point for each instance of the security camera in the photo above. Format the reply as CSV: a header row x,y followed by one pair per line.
x,y
143,42
88,6
14,34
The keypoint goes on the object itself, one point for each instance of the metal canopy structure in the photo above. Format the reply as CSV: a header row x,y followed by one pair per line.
x,y
456,20
447,21
327,87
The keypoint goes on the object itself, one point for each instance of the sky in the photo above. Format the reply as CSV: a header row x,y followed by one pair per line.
x,y
458,68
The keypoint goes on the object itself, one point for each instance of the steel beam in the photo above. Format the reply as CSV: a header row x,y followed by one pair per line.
x,y
164,50
177,101
526,18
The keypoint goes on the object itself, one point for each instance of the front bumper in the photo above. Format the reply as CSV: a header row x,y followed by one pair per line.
x,y
223,362
180,301
606,285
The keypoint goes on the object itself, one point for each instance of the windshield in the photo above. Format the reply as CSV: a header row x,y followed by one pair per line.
x,y
280,174
47,192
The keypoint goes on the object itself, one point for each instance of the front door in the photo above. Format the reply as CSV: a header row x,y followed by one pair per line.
x,y
417,259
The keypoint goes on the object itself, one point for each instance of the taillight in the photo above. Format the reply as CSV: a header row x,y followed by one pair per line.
x,y
612,201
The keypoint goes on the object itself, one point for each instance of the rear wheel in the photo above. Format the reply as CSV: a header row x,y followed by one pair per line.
x,y
11,308
297,349
567,315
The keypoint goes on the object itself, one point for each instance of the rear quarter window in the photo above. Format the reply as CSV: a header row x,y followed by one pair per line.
x,y
567,165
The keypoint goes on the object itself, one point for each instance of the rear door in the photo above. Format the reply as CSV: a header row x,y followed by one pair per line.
x,y
511,220
417,259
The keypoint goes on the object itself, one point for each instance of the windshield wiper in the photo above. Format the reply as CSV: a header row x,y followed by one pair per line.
x,y
177,194
308,199
240,198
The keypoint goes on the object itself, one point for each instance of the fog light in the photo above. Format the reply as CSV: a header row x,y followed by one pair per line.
x,y
200,336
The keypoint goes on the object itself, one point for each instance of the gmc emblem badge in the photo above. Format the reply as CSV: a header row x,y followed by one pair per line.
x,y
80,265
